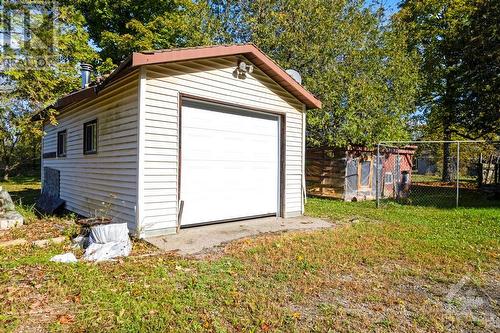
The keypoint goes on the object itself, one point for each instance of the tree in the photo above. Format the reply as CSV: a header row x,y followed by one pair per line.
x,y
121,27
457,42
348,57
355,64
37,77
478,73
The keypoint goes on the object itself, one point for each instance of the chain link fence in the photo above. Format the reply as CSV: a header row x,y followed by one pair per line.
x,y
438,173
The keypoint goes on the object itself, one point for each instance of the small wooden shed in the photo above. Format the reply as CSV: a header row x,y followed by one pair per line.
x,y
183,137
350,174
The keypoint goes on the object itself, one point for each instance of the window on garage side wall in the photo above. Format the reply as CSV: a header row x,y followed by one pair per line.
x,y
90,137
62,138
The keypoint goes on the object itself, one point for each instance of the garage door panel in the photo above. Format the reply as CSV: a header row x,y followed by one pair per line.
x,y
234,147
230,163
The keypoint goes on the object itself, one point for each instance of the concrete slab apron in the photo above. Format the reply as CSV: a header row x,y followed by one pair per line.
x,y
197,239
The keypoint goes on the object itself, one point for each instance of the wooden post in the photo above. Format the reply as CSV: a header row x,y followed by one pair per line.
x,y
496,179
321,177
488,181
480,173
377,190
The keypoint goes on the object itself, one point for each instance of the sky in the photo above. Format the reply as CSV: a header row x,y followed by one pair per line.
x,y
390,5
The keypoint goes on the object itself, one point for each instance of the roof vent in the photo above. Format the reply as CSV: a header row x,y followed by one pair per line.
x,y
85,70
295,75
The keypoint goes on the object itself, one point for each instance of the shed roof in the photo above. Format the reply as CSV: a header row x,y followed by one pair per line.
x,y
250,51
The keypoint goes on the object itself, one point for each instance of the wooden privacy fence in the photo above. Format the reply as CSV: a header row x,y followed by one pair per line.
x,y
325,172
347,173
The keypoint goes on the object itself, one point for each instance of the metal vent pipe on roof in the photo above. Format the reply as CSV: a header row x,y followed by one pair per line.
x,y
85,70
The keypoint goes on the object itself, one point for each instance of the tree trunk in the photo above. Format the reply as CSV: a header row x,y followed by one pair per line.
x,y
447,121
7,167
446,157
6,174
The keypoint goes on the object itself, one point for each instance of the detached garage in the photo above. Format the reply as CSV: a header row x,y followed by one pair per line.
x,y
179,138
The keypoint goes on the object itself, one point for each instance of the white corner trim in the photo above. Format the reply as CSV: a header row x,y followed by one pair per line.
x,y
304,189
141,142
178,201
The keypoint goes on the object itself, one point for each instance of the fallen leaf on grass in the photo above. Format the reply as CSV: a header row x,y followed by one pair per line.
x,y
35,304
12,290
265,327
66,319
74,298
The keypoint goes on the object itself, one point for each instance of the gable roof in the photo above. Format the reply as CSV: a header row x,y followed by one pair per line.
x,y
250,51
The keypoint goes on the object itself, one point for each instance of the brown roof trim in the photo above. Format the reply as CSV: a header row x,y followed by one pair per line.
x,y
86,93
250,51
117,72
79,95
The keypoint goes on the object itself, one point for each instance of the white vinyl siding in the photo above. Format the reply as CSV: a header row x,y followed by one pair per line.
x,y
212,79
86,181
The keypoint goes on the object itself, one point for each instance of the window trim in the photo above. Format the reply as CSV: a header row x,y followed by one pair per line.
x,y
65,144
94,151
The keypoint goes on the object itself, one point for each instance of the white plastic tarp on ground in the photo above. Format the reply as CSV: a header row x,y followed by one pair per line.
x,y
108,241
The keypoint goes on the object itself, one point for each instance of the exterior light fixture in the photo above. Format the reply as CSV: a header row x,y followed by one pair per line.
x,y
242,69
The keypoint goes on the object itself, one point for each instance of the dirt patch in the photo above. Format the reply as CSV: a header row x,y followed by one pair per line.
x,y
27,303
366,302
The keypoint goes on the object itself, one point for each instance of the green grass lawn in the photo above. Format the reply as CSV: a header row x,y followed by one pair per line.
x,y
378,270
429,178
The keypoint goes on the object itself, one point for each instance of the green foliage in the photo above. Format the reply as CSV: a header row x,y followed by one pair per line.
x,y
478,72
34,88
457,41
458,44
121,27
355,64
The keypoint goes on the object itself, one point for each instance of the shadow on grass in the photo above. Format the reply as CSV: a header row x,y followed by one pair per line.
x,y
24,190
25,197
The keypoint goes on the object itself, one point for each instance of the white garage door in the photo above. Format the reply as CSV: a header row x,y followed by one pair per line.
x,y
229,163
